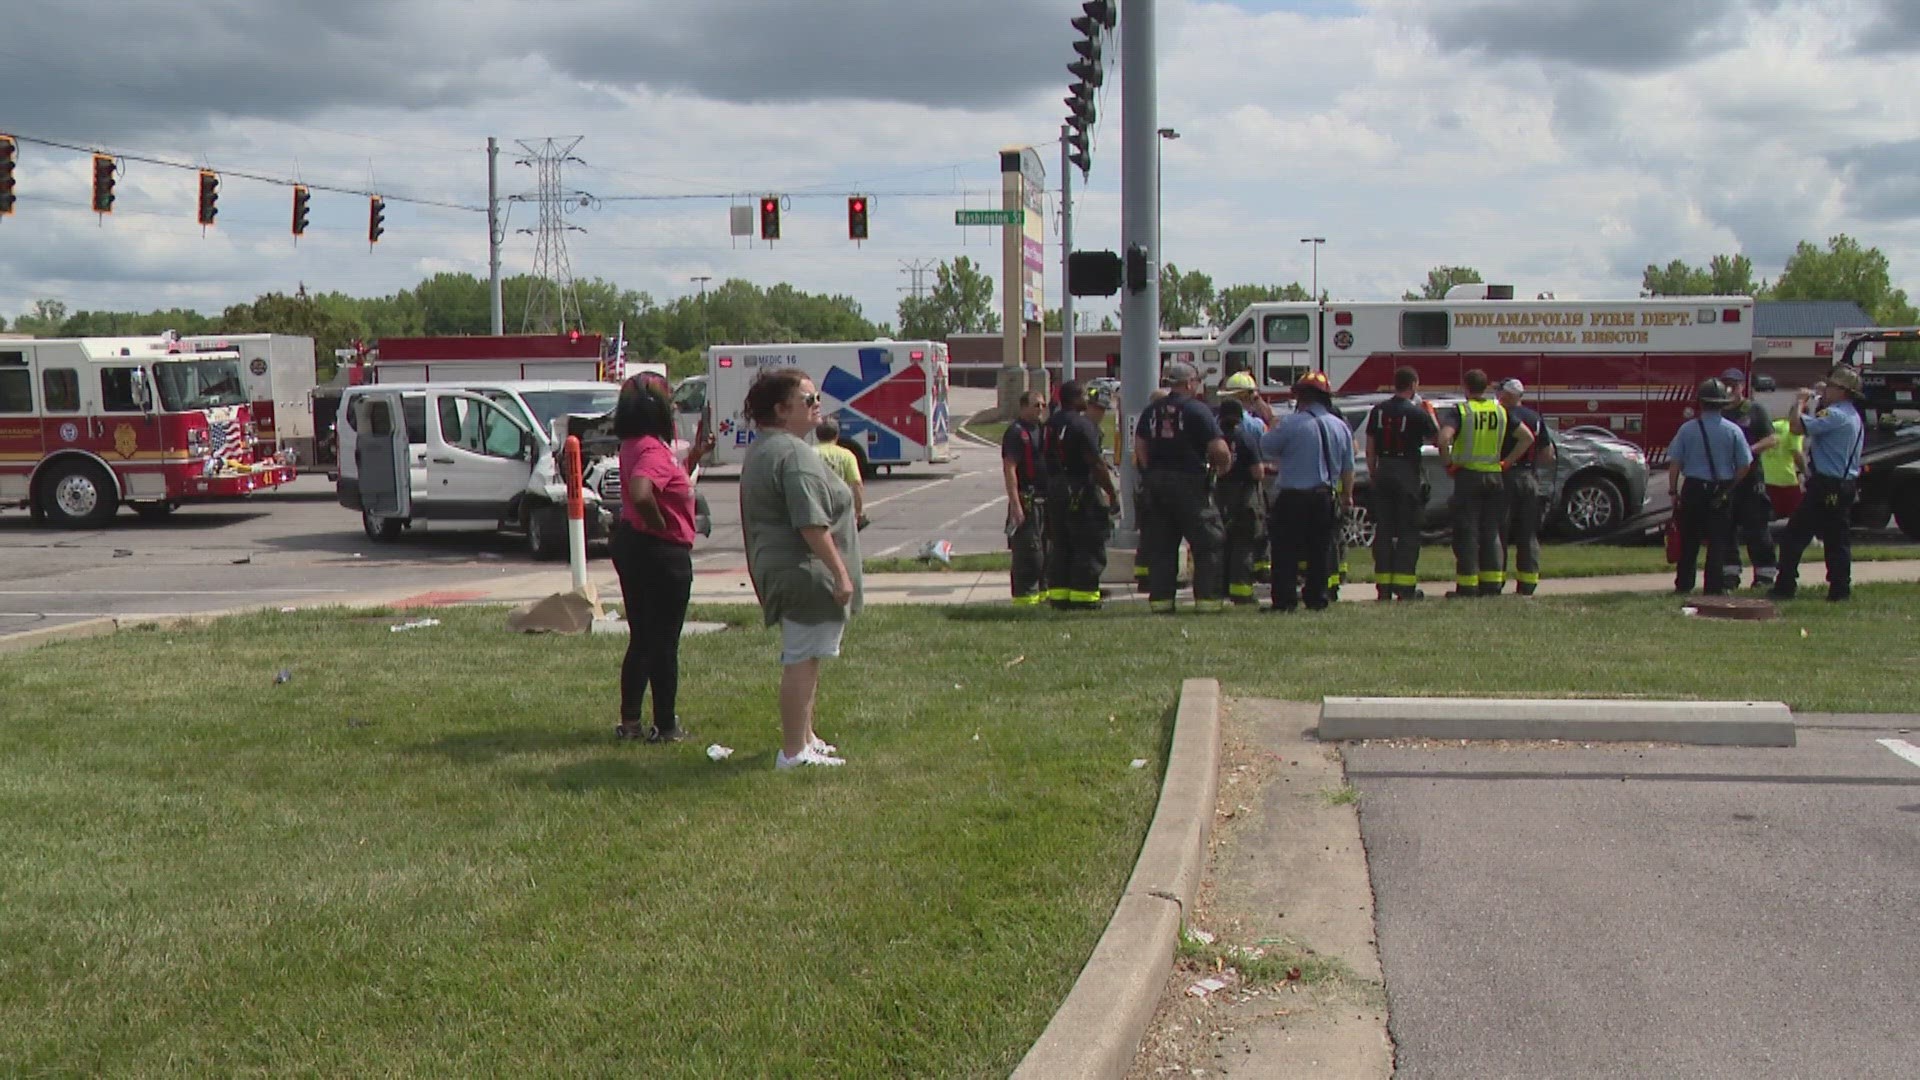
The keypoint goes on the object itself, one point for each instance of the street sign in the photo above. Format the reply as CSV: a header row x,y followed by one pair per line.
x,y
989,217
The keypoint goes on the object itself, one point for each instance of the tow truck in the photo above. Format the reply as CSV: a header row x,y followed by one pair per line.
x,y
1890,397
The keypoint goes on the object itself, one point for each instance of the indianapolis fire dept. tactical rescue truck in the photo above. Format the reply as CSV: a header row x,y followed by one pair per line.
x,y
89,424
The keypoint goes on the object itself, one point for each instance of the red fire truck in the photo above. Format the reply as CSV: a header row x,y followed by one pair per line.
x,y
1629,366
87,424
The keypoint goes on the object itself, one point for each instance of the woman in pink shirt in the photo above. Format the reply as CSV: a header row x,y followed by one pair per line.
x,y
653,554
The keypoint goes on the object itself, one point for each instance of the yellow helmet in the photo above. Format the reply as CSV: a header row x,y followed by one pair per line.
x,y
1240,382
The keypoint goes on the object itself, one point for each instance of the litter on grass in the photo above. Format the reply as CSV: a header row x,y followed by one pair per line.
x,y
1017,661
284,675
716,752
1139,763
937,551
417,624
1207,986
1194,933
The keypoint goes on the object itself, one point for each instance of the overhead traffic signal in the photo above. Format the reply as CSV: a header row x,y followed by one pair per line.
x,y
103,170
301,197
770,217
1104,12
209,196
857,217
376,218
9,154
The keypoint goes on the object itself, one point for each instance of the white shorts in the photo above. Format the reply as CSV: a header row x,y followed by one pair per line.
x,y
800,642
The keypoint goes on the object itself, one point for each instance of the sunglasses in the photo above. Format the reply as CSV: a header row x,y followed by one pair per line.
x,y
809,400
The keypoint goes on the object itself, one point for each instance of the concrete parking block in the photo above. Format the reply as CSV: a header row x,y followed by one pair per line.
x,y
1703,723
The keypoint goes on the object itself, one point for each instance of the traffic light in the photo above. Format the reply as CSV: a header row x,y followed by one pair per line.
x,y
376,218
1136,269
1103,12
770,217
857,217
9,153
103,169
209,196
301,198
1093,273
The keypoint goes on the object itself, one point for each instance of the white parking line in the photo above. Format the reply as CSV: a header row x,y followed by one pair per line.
x,y
948,524
1904,749
871,503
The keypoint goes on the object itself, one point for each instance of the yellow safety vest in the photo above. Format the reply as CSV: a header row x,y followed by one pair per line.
x,y
1483,431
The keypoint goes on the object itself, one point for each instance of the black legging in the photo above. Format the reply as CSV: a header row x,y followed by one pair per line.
x,y
656,580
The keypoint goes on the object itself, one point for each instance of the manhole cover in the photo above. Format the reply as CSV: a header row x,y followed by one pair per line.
x,y
1733,607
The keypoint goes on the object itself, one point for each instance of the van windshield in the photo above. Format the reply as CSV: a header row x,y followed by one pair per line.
x,y
548,404
186,385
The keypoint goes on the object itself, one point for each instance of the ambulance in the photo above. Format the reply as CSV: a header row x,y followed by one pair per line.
x,y
90,424
1631,367
889,397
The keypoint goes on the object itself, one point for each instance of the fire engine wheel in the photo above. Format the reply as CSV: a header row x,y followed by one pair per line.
x,y
78,495
379,528
547,534
1591,505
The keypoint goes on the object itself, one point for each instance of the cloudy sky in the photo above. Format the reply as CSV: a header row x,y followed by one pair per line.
x,y
1559,145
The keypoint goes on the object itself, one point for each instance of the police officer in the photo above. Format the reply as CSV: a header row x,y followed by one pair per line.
x,y
1236,495
1471,440
1023,468
1313,449
1178,446
1836,436
1526,493
1752,508
1710,454
1080,496
1396,430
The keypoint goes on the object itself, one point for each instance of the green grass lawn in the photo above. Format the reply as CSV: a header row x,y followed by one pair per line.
x,y
1436,561
406,861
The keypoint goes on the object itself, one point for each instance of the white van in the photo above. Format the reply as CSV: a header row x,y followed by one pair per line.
x,y
473,451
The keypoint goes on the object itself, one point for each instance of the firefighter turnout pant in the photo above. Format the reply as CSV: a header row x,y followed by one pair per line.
x,y
1028,545
1238,502
1302,526
1143,544
1076,538
1753,527
1524,510
1827,513
1182,511
1479,513
1396,502
1706,517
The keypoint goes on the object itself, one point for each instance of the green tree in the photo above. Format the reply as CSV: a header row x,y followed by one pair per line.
x,y
1724,275
300,316
1235,299
960,302
43,321
1185,299
1442,278
1107,325
1845,271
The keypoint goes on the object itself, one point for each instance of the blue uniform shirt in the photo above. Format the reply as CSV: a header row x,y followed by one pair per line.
x,y
1835,438
1710,447
1312,447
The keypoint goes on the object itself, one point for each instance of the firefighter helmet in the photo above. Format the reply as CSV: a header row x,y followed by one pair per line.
x,y
1313,380
1100,395
1715,395
1240,382
1845,378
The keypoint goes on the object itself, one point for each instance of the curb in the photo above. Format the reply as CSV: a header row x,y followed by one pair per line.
x,y
1098,1028
1696,723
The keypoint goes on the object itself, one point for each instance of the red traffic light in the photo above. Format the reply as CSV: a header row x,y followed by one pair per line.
x,y
857,217
770,218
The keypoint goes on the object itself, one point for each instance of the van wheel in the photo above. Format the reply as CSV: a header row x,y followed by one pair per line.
x,y
547,534
867,469
379,528
78,495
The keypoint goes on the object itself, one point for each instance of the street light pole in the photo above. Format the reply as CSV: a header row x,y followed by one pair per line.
x,y
703,279
1167,135
1316,241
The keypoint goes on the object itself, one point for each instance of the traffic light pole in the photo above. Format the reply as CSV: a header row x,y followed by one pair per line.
x,y
1139,226
493,237
1066,256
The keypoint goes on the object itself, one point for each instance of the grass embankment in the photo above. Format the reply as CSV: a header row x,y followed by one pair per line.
x,y
993,430
425,854
1436,561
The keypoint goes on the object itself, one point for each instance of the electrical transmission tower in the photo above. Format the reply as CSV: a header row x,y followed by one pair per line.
x,y
918,271
552,304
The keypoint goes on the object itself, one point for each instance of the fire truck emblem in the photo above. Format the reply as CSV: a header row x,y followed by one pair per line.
x,y
126,440
1343,340
69,432
258,366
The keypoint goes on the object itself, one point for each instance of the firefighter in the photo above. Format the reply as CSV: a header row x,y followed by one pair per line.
x,y
1258,417
1236,495
1313,449
1526,494
1471,438
1022,464
1752,508
1706,464
1396,430
1179,448
1836,436
1143,507
1080,498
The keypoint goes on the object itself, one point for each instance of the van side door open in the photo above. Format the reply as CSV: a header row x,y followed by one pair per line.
x,y
381,456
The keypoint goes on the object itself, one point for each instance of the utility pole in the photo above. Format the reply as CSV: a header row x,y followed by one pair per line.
x,y
702,279
1139,228
1066,258
1316,241
494,237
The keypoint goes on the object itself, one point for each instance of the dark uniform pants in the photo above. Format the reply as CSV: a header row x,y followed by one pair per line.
x,y
1753,518
1706,516
1396,503
1826,512
1076,534
1028,545
1479,513
1302,527
1182,510
1524,509
1143,544
1238,502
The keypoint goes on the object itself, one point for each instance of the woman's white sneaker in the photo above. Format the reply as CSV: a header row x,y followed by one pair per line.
x,y
807,756
822,746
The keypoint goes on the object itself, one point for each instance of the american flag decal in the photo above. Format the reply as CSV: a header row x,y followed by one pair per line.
x,y
220,433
